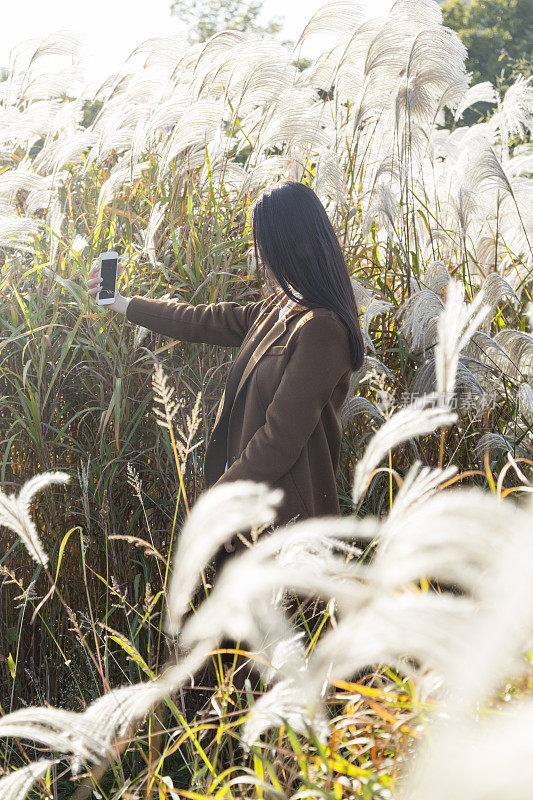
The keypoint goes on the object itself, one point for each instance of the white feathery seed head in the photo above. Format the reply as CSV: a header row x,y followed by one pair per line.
x,y
15,512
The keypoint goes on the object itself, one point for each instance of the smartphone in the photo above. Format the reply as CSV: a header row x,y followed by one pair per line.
x,y
108,273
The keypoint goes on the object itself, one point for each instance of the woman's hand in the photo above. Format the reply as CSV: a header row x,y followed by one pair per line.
x,y
94,283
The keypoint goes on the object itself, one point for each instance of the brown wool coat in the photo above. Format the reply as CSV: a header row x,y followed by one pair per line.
x,y
278,420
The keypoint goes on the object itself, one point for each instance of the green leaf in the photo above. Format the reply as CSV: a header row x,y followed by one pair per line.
x,y
62,548
133,653
12,666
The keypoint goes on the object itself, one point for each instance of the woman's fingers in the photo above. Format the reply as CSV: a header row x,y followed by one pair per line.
x,y
93,290
95,268
94,280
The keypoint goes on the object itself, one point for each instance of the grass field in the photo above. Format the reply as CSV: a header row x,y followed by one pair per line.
x,y
389,643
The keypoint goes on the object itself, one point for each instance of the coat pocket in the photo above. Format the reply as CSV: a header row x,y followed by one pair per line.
x,y
276,350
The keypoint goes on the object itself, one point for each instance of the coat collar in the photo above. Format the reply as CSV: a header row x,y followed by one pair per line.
x,y
276,297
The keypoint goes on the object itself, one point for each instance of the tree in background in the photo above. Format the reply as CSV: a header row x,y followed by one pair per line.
x,y
205,17
498,35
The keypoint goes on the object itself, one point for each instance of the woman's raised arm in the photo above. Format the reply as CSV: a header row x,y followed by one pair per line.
x,y
224,323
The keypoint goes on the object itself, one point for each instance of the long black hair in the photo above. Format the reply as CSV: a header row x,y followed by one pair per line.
x,y
297,242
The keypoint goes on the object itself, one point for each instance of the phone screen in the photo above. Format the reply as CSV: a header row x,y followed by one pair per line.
x,y
109,277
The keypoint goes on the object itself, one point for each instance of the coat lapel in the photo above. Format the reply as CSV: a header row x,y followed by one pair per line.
x,y
271,336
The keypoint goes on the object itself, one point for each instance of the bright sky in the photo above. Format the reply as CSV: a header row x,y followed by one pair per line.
x,y
112,28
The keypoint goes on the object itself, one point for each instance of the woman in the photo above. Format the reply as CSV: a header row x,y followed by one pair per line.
x,y
279,417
